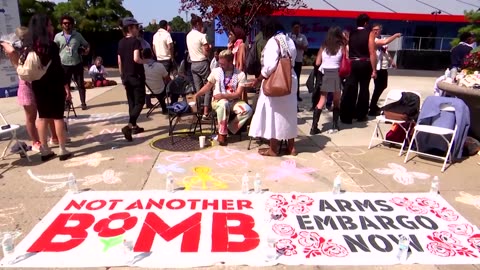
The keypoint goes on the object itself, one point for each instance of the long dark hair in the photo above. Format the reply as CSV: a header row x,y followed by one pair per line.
x,y
38,37
271,27
334,40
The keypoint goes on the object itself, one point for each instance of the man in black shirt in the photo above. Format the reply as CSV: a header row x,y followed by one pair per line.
x,y
132,73
460,51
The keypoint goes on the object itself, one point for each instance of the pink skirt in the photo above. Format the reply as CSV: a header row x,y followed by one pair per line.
x,y
25,96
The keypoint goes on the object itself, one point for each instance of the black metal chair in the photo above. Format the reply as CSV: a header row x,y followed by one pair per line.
x,y
158,103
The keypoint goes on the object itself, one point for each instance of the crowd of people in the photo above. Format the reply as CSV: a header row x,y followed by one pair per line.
x,y
220,82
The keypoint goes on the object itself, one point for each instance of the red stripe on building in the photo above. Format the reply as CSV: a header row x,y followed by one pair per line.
x,y
373,15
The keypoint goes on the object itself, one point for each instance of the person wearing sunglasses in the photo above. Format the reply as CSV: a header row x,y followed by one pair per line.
x,y
72,46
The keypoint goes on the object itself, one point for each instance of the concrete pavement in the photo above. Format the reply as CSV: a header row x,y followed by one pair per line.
x,y
104,161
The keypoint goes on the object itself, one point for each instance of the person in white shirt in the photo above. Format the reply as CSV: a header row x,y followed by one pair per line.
x,y
301,44
384,61
214,62
98,73
163,46
199,49
156,77
228,84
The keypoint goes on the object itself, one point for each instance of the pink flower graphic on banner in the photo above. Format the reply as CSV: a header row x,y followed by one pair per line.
x,y
284,230
276,201
302,199
400,201
310,239
298,209
286,247
461,229
446,245
440,249
474,241
334,250
445,214
417,209
427,202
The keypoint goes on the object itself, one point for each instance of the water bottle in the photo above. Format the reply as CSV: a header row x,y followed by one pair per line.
x,y
337,185
7,245
7,94
257,184
72,184
434,188
245,188
170,186
403,245
447,73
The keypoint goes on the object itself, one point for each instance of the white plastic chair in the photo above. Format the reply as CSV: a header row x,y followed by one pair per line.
x,y
392,96
13,132
439,131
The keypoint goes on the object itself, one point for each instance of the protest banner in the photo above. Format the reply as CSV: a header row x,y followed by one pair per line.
x,y
192,229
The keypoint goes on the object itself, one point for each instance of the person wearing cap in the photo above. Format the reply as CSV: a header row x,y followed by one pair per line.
x,y
163,45
459,52
132,72
72,46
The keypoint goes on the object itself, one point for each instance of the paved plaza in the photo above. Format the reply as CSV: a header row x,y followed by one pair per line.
x,y
105,161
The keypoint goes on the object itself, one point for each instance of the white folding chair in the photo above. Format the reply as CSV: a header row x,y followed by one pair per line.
x,y
439,131
12,129
377,135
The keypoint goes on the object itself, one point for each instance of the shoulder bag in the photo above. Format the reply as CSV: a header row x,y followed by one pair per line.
x,y
345,65
279,83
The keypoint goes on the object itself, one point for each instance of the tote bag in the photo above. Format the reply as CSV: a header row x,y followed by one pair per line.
x,y
345,65
279,83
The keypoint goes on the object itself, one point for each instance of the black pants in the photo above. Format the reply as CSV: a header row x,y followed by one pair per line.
x,y
356,95
381,83
76,73
135,89
298,70
167,64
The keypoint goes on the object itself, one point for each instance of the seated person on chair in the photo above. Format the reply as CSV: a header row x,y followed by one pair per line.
x,y
156,77
228,85
98,73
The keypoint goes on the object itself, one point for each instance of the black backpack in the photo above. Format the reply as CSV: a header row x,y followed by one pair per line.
x,y
253,65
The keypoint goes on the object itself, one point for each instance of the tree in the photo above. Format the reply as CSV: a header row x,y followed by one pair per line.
x,y
152,27
93,15
29,7
240,13
179,25
473,17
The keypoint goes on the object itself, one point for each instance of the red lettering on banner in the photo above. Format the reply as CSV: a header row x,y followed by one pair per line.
x,y
221,231
136,205
241,204
78,233
103,226
227,205
190,228
158,205
206,204
175,204
96,205
114,204
76,205
193,203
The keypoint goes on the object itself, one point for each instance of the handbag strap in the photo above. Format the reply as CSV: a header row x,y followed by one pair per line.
x,y
283,46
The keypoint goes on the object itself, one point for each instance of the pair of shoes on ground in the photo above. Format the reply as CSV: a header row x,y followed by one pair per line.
x,y
128,132
64,155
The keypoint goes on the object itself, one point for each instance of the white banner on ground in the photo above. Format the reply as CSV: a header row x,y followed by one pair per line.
x,y
189,229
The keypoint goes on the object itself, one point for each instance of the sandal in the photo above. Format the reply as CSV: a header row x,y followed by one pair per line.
x,y
267,153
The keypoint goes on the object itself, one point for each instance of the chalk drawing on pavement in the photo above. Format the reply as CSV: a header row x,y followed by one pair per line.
x,y
205,180
173,168
401,174
14,234
6,214
97,119
288,170
469,199
108,177
92,160
348,181
138,159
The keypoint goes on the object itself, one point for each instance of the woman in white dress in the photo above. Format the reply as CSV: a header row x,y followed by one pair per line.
x,y
275,118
